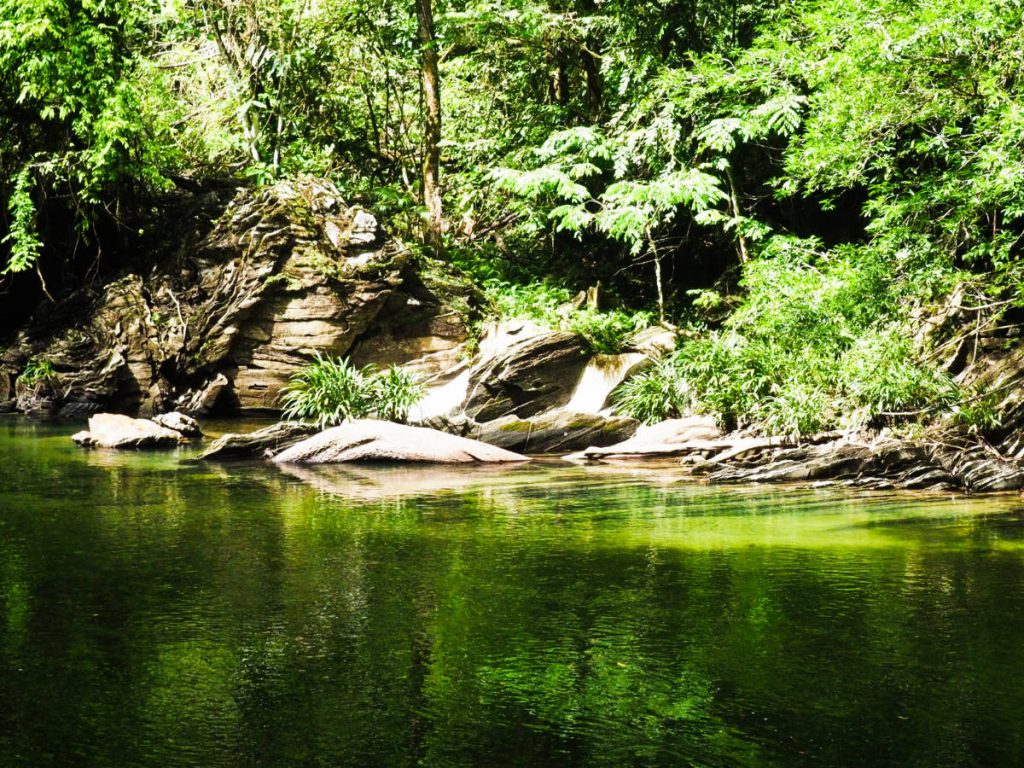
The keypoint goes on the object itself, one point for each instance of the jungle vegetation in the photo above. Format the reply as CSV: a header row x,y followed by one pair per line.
x,y
792,183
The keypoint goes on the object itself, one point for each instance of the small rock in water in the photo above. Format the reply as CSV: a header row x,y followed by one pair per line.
x,y
84,438
180,423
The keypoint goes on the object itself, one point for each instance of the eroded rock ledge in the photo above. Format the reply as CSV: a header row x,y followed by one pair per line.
x,y
222,321
880,463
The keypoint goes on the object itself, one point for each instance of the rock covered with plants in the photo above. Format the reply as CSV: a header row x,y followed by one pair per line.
x,y
225,319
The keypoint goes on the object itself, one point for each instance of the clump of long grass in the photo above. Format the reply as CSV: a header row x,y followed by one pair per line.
x,y
330,391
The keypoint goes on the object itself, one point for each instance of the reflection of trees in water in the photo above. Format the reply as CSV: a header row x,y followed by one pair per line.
x,y
355,616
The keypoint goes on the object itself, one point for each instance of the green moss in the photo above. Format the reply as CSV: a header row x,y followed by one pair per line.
x,y
517,426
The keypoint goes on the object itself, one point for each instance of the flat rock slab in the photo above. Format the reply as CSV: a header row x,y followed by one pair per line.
x,y
112,430
368,441
263,443
675,437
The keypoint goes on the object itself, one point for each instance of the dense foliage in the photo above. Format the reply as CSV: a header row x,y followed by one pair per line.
x,y
791,180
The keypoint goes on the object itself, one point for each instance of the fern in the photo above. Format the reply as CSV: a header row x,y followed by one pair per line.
x,y
23,235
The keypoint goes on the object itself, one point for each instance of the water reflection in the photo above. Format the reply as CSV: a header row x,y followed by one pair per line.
x,y
154,614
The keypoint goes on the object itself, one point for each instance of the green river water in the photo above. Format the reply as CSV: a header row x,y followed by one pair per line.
x,y
154,613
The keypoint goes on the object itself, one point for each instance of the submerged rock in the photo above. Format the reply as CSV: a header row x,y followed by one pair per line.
x,y
112,430
263,443
368,440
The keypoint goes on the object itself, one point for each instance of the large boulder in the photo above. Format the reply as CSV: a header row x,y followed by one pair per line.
x,y
555,431
112,430
263,443
383,441
538,373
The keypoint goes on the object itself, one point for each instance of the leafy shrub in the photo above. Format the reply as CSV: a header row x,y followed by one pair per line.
x,y
330,391
881,376
811,342
393,392
36,372
796,408
654,395
605,331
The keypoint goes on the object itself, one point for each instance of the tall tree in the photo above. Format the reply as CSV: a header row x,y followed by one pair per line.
x,y
431,124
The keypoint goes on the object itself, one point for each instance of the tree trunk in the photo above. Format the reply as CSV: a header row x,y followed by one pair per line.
x,y
595,88
431,126
734,204
560,79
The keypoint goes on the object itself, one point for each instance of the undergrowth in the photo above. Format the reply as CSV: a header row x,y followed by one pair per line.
x,y
605,331
814,346
330,391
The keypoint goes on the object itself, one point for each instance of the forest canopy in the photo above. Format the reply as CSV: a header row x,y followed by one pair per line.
x,y
791,181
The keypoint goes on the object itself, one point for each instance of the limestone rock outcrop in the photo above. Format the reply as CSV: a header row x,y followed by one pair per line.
x,y
222,321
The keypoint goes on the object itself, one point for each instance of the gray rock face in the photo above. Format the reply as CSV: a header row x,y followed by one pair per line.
x,y
655,342
555,431
383,441
534,375
111,430
886,464
100,344
977,468
263,443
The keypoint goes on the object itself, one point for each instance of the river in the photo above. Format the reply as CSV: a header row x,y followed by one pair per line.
x,y
160,613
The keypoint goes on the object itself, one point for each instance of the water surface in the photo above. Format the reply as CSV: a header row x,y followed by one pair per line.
x,y
154,613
